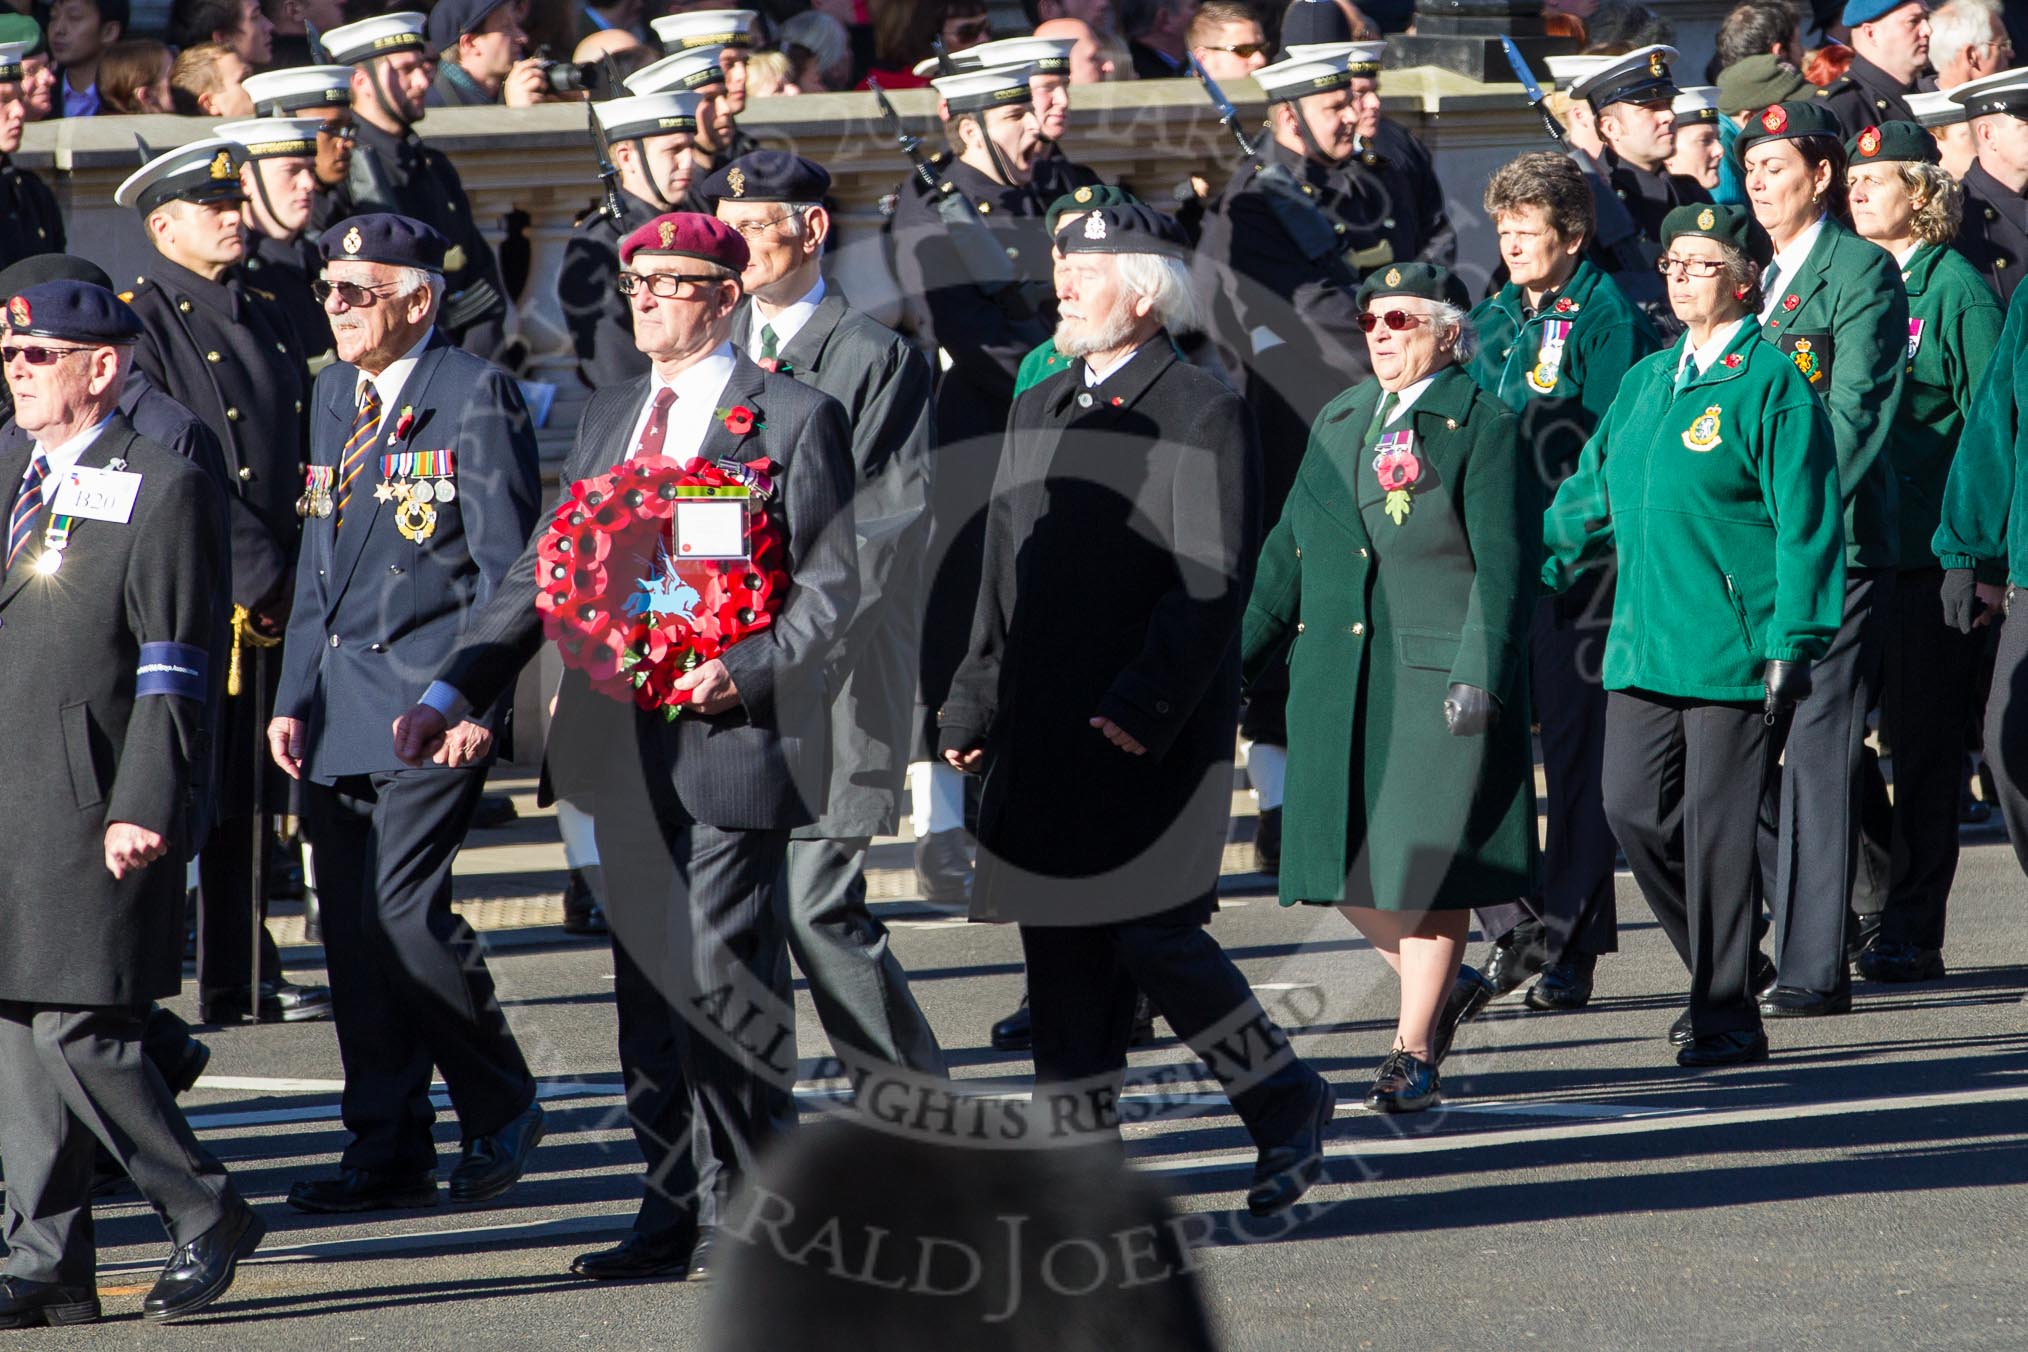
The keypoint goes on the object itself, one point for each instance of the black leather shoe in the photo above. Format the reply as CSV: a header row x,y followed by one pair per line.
x,y
281,1002
1517,955
200,1271
493,1163
33,1305
581,911
1725,1049
1267,842
356,1190
1014,1033
1763,979
943,867
1470,993
1563,985
1680,1032
1284,1172
1406,1084
1892,960
495,810
1787,1002
189,1068
701,1256
1144,1022
666,1254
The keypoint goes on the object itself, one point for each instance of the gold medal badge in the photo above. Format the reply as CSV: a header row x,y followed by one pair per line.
x,y
1542,379
1806,361
417,521
1703,433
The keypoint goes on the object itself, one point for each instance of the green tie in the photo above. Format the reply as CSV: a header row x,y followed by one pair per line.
x,y
767,342
1380,415
1686,375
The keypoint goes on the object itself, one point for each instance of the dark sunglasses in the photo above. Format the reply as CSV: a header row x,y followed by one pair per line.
x,y
36,355
354,295
1242,50
1394,319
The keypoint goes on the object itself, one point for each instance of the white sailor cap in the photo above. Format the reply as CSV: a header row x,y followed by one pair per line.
x,y
975,91
1566,71
1049,56
646,115
707,28
1362,58
1936,108
11,56
691,70
266,138
2006,92
383,35
1699,103
1641,76
1319,73
277,93
203,171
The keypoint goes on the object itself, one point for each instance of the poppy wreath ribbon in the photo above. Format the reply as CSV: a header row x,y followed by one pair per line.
x,y
625,612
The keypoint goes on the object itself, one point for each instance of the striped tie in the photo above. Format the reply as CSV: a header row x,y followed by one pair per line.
x,y
358,449
27,506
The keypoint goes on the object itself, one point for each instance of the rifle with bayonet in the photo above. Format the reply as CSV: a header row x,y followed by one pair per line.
x,y
609,176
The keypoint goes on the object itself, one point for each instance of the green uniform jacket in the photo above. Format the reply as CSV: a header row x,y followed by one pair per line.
x,y
1953,324
1042,362
1986,489
1722,502
1843,320
1383,806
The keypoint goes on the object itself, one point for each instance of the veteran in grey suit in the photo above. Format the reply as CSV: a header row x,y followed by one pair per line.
x,y
693,811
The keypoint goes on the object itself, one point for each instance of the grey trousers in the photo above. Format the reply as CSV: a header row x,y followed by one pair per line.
x,y
70,1078
857,984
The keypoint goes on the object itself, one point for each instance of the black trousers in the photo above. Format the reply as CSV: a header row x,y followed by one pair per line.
x,y
706,1019
409,985
1567,648
1683,786
1082,982
1925,709
2007,725
1809,834
225,926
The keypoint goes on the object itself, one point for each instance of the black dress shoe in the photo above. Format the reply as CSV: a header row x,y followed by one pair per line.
x,y
1763,978
1517,955
581,911
1267,842
1144,1022
1892,960
281,1002
1680,1032
943,866
189,1068
494,811
1788,1002
1725,1049
1014,1033
1284,1172
1406,1084
1470,993
1563,985
357,1190
701,1255
665,1254
200,1271
493,1163
32,1305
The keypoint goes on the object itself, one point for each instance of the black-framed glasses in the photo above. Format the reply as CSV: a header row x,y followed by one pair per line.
x,y
355,296
1704,269
666,285
1394,319
1242,50
35,354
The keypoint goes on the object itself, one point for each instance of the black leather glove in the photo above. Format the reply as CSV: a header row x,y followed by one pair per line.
x,y
1960,599
1469,711
1787,683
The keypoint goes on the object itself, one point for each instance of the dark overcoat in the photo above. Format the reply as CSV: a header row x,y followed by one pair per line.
x,y
1994,236
30,222
600,320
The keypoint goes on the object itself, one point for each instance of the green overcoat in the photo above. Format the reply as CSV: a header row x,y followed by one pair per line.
x,y
1384,807
1953,324
1987,491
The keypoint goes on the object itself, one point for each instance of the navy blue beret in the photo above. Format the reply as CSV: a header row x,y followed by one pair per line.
x,y
383,237
76,312
768,176
452,19
1124,227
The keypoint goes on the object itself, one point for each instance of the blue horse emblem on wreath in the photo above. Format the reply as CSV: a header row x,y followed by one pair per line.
x,y
664,593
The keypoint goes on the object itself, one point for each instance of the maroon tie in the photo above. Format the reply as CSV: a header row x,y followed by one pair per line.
x,y
657,427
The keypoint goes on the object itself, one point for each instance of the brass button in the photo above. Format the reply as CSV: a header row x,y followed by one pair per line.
x,y
1358,629
1451,424
1387,222
1299,551
212,357
299,406
1299,626
985,208
184,306
1340,227
1506,351
282,348
1310,190
245,474
1362,551
1013,253
334,640
232,415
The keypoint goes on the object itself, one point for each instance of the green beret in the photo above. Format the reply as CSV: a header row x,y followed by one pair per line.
x,y
1728,224
1893,142
22,29
1755,83
1791,121
1088,198
1415,279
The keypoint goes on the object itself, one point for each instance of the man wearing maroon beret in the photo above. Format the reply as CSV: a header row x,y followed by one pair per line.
x,y
693,810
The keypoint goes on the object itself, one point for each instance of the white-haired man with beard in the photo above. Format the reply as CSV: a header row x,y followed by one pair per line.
x,y
1119,555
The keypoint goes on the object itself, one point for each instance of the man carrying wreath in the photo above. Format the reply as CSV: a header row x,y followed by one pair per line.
x,y
698,776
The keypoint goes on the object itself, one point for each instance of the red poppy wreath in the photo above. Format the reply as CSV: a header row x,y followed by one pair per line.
x,y
624,608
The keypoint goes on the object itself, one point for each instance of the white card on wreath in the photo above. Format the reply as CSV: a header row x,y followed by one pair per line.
x,y
710,529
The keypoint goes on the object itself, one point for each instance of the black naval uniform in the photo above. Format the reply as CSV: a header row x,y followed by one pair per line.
x,y
1866,96
226,351
1057,173
30,223
694,199
600,320
1647,197
1994,236
284,269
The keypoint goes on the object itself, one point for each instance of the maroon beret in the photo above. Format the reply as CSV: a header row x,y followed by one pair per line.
x,y
688,234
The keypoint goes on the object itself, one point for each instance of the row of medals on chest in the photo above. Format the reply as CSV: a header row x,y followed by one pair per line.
x,y
415,481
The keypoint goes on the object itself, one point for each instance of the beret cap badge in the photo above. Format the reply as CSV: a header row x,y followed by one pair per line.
x,y
352,241
1774,120
668,233
17,312
1095,226
1706,219
1394,276
736,180
1869,142
1083,194
1655,67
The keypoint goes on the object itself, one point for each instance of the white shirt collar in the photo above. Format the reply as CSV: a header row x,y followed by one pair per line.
x,y
786,322
1405,399
699,388
1790,261
1713,349
1094,377
389,383
1901,260
62,457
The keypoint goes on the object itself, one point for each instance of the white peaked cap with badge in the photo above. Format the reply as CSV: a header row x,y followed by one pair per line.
x,y
295,87
1699,103
1050,56
349,44
1364,58
706,28
1936,108
1325,69
2006,92
695,68
976,90
188,169
648,115
272,137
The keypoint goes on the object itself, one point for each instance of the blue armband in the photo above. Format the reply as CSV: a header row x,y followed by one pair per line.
x,y
171,669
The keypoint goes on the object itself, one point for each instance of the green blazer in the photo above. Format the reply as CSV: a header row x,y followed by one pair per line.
x,y
1843,319
1383,807
1042,362
1986,488
1953,325
1722,503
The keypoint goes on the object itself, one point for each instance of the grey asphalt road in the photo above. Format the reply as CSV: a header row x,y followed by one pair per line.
x,y
1861,1190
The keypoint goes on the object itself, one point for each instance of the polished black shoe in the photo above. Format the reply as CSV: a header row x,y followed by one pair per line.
x,y
199,1273
943,866
1014,1033
1470,993
1267,842
1406,1084
581,911
1144,1022
1787,1002
313,918
189,1068
1284,1172
281,1002
1892,960
666,1254
1563,985
701,1255
1725,1049
1680,1032
33,1305
493,1163
494,811
1517,955
356,1190
1763,979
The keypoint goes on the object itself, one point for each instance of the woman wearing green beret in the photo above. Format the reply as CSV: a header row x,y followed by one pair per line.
x,y
1905,203
1403,565
1834,304
1714,479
